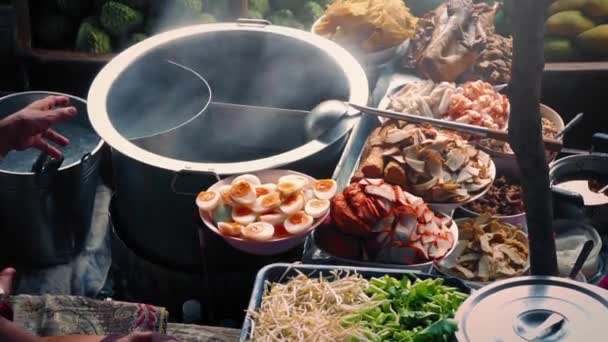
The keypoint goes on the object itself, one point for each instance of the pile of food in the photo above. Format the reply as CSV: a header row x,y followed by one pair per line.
x,y
474,103
549,131
350,307
577,30
477,103
439,166
399,227
457,42
105,26
487,250
298,14
367,25
504,198
251,210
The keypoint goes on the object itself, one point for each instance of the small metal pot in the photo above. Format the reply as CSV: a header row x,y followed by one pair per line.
x,y
570,205
46,208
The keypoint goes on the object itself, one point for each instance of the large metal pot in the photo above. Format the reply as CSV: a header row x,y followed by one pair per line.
x,y
45,216
246,64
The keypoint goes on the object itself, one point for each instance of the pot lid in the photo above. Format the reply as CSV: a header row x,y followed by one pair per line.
x,y
534,308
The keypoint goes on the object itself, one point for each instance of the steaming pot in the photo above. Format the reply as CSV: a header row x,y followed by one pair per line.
x,y
253,64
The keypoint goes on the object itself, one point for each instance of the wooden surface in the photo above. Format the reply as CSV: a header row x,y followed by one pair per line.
x,y
188,332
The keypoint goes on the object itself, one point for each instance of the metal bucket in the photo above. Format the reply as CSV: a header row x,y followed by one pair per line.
x,y
45,216
245,64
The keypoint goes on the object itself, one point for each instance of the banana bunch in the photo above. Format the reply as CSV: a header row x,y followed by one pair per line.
x,y
577,30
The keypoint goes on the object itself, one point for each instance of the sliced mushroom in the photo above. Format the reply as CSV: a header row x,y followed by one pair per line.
x,y
395,135
455,160
426,185
415,164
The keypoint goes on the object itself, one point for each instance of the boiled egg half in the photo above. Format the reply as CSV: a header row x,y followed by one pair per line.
x,y
317,207
258,231
208,200
325,188
298,222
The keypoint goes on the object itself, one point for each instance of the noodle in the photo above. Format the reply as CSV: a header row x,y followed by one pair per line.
x,y
310,309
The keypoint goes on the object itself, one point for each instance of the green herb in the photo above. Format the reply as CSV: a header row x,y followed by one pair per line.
x,y
408,310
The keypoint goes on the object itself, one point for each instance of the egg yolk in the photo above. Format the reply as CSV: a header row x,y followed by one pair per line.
x,y
271,201
261,192
243,211
317,203
291,199
240,189
297,218
287,187
206,196
324,185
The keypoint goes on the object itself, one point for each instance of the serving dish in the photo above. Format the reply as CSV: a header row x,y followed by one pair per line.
x,y
506,163
281,272
275,245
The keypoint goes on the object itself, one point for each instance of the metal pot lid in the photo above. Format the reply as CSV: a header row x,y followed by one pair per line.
x,y
103,118
534,308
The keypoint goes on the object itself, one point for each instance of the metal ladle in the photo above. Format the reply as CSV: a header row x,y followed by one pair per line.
x,y
328,113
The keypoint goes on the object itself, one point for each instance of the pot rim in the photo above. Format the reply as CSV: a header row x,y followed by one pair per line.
x,y
72,97
100,88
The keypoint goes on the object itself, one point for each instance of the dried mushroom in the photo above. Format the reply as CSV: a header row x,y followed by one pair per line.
x,y
487,250
457,42
437,165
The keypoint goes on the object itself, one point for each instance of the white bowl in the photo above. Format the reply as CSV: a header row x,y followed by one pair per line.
x,y
506,163
271,247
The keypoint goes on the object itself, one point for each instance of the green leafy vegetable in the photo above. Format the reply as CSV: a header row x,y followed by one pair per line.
x,y
408,310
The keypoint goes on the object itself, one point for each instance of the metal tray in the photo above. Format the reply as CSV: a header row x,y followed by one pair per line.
x,y
281,272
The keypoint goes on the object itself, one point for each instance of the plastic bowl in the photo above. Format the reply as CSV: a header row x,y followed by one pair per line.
x,y
272,247
571,235
506,163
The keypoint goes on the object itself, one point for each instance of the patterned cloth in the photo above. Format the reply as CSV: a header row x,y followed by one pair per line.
x,y
68,315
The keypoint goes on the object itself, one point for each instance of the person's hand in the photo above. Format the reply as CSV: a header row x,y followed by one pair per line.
x,y
7,276
31,126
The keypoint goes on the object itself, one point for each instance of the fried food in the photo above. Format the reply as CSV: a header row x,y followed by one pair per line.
x,y
369,25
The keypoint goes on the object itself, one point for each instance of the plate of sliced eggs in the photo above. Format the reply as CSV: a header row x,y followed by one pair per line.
x,y
268,212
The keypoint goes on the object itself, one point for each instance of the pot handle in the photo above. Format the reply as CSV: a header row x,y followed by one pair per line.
x,y
188,172
599,143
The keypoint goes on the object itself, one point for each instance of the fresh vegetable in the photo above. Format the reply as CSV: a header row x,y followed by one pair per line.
x,y
310,12
91,38
348,307
119,19
408,310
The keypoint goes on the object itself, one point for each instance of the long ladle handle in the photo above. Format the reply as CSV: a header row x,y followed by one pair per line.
x,y
550,144
582,257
